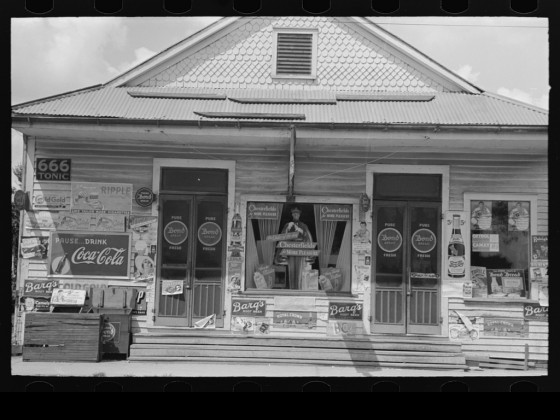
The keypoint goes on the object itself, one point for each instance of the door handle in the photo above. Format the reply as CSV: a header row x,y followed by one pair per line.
x,y
409,285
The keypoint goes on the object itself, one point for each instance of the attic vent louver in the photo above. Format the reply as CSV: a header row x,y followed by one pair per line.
x,y
294,54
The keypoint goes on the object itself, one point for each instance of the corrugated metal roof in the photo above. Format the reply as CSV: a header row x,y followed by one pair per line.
x,y
445,109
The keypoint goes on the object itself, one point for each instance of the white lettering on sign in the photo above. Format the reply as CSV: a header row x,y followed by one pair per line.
x,y
107,256
353,309
238,306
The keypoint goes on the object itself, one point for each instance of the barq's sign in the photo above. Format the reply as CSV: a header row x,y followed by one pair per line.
x,y
345,310
90,255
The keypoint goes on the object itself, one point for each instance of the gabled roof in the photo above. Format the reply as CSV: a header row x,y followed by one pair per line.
x,y
365,75
353,54
178,104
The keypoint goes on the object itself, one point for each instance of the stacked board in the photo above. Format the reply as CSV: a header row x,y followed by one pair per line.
x,y
194,346
63,337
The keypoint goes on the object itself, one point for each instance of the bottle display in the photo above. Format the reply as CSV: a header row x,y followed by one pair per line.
x,y
456,250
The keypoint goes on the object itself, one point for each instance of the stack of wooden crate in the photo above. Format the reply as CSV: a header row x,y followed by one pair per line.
x,y
64,337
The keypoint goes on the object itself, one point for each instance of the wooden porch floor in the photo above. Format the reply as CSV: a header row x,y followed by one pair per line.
x,y
178,345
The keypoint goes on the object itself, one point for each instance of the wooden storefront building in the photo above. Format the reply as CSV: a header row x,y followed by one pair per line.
x,y
294,177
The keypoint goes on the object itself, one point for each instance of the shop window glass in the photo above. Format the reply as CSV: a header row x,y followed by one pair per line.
x,y
299,246
500,248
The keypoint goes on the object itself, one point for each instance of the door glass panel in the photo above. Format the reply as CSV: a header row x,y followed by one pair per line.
x,y
175,225
175,221
210,215
424,246
389,254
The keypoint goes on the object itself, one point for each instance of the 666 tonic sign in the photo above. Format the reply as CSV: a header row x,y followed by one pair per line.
x,y
89,255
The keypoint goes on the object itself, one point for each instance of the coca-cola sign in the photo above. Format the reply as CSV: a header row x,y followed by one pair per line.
x,y
89,255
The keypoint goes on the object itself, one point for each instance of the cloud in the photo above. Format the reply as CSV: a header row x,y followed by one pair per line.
x,y
55,55
522,96
466,72
140,55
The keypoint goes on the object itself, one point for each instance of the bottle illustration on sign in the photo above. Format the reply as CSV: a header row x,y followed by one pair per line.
x,y
60,265
456,250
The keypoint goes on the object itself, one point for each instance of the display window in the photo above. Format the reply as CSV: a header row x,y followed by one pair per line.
x,y
299,246
500,249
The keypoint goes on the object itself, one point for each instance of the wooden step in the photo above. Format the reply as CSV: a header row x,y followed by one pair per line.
x,y
231,360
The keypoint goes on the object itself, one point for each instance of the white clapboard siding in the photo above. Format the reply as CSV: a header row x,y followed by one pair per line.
x,y
496,346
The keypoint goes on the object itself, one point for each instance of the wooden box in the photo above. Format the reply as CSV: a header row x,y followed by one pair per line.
x,y
63,337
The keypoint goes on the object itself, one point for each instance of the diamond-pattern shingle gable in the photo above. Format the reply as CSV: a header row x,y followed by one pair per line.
x,y
347,61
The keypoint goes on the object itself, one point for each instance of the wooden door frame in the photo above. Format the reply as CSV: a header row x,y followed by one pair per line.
x,y
442,170
230,165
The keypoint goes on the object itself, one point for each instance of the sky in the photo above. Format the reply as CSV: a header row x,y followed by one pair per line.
x,y
50,56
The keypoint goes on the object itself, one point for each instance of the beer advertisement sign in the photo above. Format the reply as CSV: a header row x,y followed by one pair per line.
x,y
456,243
89,254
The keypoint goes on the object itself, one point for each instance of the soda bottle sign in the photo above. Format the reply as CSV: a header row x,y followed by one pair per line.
x,y
456,251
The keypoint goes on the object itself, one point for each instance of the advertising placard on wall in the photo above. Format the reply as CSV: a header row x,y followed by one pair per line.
x,y
345,310
539,251
101,197
53,169
89,254
90,221
144,246
51,200
456,245
39,288
34,247
285,319
269,211
248,307
335,213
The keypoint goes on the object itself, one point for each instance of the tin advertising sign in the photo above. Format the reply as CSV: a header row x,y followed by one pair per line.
x,y
89,254
101,197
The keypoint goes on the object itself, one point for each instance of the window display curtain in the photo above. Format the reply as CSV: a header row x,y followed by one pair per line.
x,y
252,259
344,260
325,237
268,227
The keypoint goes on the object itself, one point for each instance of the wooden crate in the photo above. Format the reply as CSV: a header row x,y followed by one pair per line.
x,y
64,337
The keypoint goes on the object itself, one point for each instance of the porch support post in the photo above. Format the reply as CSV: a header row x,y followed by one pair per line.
x,y
292,169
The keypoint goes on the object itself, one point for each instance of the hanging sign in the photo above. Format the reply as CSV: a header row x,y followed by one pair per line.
x,y
268,211
101,197
89,254
246,307
144,197
335,213
21,200
52,169
345,310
